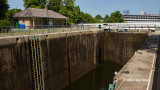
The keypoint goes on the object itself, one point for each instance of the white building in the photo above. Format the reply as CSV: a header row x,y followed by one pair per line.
x,y
142,18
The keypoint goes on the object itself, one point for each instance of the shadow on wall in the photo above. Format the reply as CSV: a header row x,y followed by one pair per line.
x,y
156,79
120,47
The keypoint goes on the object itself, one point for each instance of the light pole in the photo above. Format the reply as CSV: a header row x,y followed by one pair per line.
x,y
16,8
47,2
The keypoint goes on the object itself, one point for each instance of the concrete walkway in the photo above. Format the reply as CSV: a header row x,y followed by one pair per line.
x,y
141,67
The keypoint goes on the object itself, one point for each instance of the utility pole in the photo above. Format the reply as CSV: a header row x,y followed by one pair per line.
x,y
47,2
16,8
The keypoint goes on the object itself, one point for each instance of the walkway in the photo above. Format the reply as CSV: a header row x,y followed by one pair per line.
x,y
141,68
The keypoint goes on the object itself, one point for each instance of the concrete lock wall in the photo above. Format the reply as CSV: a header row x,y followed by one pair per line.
x,y
120,47
60,58
15,71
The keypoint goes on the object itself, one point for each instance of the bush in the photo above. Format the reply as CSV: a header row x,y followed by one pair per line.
x,y
5,23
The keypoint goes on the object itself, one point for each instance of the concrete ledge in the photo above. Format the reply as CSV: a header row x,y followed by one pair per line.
x,y
140,67
13,39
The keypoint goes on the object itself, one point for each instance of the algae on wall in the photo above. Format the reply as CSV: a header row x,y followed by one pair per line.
x,y
120,47
65,57
15,70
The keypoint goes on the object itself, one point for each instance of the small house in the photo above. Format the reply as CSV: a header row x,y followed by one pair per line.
x,y
33,17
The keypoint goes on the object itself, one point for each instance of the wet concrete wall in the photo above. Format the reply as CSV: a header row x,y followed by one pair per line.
x,y
81,54
65,57
120,47
15,68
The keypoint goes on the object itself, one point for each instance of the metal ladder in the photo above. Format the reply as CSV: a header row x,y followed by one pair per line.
x,y
36,63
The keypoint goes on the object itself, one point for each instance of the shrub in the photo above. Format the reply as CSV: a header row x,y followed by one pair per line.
x,y
5,23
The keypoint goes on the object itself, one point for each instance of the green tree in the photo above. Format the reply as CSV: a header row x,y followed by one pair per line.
x,y
5,23
89,19
55,5
94,20
79,15
34,3
106,17
11,12
115,17
3,8
109,20
99,17
68,9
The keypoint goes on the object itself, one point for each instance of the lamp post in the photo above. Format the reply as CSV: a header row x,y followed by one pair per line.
x,y
47,2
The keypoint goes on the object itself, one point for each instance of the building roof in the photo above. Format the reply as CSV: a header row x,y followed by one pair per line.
x,y
35,12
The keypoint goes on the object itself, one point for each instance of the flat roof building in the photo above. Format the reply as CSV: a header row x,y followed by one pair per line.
x,y
142,18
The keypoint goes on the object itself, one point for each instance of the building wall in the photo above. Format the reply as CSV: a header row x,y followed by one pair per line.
x,y
26,21
58,21
38,21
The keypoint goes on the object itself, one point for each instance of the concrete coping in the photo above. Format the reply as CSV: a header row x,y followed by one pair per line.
x,y
24,38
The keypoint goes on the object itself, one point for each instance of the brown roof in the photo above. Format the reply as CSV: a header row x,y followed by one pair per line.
x,y
35,12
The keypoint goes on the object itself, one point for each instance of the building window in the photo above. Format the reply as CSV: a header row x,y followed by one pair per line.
x,y
50,21
39,21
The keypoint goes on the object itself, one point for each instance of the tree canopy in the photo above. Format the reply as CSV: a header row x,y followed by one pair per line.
x,y
79,15
74,13
34,3
99,17
11,12
106,17
68,9
115,17
55,5
64,7
3,8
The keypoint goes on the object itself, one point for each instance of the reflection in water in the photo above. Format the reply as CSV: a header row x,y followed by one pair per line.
x,y
97,79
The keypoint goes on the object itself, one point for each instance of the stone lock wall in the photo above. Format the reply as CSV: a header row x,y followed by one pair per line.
x,y
120,47
53,61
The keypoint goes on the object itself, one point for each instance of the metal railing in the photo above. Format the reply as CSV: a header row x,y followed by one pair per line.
x,y
133,26
27,30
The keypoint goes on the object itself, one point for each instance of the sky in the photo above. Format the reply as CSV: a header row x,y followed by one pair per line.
x,y
103,7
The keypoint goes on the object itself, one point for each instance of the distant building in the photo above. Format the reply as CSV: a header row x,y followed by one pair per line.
x,y
143,13
142,18
38,17
101,20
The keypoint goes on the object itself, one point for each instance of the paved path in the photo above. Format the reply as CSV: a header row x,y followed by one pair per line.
x,y
141,68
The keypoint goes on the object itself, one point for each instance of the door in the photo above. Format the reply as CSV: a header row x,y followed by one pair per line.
x,y
16,23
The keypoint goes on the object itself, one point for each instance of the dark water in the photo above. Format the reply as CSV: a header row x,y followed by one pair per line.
x,y
97,79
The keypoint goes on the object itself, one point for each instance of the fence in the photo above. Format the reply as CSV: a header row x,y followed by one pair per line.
x,y
27,30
